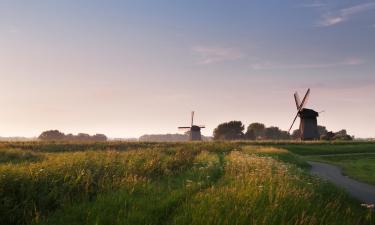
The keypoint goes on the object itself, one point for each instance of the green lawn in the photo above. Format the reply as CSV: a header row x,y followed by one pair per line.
x,y
324,148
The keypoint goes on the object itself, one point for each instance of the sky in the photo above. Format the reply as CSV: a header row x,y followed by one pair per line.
x,y
131,67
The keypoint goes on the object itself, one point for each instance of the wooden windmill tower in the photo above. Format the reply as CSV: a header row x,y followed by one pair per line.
x,y
194,131
308,127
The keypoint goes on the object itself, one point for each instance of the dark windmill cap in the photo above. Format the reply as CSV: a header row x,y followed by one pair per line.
x,y
195,128
308,113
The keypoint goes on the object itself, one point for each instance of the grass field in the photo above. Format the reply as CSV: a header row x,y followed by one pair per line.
x,y
169,183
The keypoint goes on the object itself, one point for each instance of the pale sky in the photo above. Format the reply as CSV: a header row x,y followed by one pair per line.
x,y
131,67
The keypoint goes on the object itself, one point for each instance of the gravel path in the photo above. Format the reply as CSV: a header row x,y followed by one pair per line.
x,y
362,191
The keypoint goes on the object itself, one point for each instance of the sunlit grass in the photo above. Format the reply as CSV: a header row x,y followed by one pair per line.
x,y
171,183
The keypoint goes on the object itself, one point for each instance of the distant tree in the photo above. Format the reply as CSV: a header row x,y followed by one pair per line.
x,y
83,137
232,130
296,134
99,137
284,135
342,135
257,130
250,135
342,132
52,135
322,130
69,137
329,136
55,135
274,133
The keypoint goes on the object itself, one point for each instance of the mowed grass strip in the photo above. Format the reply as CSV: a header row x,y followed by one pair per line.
x,y
359,167
324,148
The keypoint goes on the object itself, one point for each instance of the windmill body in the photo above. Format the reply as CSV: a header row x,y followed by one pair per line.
x,y
195,133
309,124
194,130
308,127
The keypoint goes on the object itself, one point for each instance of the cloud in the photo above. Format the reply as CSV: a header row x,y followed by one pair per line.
x,y
330,21
342,15
312,5
281,66
209,55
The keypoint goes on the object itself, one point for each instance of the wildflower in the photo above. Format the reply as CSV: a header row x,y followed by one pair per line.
x,y
369,206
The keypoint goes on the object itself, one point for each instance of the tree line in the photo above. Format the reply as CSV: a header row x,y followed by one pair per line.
x,y
235,130
56,135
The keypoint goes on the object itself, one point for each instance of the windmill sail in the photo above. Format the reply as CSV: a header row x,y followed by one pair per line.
x,y
300,105
304,101
297,100
192,118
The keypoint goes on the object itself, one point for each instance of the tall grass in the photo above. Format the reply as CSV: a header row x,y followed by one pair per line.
x,y
164,183
262,190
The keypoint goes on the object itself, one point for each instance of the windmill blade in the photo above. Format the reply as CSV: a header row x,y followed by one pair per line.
x,y
297,100
293,123
184,127
304,101
192,118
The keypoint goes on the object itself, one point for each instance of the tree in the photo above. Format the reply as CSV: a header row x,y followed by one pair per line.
x,y
83,137
55,135
257,130
232,130
328,136
274,133
99,137
52,135
296,134
342,135
250,135
322,130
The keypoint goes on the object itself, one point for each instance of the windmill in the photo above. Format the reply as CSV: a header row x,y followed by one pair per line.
x,y
194,130
308,127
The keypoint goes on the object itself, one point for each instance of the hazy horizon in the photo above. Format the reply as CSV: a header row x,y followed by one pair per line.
x,y
128,68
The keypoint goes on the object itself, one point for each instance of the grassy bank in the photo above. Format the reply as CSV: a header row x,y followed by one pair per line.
x,y
165,183
360,167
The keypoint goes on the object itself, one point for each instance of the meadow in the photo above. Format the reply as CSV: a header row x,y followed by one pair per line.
x,y
171,183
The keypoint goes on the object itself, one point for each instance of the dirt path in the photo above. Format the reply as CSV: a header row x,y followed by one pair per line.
x,y
362,191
